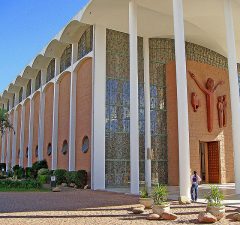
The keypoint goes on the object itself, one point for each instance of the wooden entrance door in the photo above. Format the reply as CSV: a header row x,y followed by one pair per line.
x,y
213,162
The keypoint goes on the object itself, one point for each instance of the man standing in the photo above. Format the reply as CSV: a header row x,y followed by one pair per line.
x,y
195,179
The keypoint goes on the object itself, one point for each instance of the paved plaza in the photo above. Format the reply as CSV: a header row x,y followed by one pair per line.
x,y
86,207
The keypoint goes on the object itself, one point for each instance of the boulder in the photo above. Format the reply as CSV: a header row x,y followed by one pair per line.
x,y
153,217
56,189
205,217
183,200
169,216
64,184
236,217
85,187
138,210
72,185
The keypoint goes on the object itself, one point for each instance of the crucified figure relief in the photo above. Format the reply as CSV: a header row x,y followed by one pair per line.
x,y
209,92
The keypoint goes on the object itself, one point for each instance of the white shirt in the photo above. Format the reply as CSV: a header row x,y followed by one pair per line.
x,y
198,179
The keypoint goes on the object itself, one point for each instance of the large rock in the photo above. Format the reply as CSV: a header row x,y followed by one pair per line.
x,y
64,184
168,216
236,217
183,200
72,185
205,217
138,210
56,189
153,217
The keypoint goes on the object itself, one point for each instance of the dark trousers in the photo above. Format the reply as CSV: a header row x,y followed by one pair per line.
x,y
194,192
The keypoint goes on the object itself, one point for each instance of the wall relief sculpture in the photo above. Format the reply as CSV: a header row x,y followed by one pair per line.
x,y
222,111
195,102
209,93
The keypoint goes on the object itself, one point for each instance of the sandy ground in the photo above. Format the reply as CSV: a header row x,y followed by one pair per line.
x,y
85,207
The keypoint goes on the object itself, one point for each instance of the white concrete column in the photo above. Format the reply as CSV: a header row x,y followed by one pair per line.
x,y
99,107
182,100
72,125
134,126
55,116
234,90
30,136
148,172
3,148
41,116
22,136
8,158
15,123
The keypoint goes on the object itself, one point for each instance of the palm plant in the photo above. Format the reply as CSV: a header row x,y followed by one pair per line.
x,y
214,197
5,124
160,194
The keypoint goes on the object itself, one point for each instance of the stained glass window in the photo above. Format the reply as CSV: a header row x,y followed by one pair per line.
x,y
51,70
65,147
117,138
66,58
85,43
38,81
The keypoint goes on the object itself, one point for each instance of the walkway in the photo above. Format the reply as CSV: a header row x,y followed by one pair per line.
x,y
86,207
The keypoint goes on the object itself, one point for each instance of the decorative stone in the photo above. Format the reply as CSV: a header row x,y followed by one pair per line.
x,y
183,200
169,216
56,189
75,186
153,216
205,217
85,187
64,184
71,185
217,211
138,210
236,217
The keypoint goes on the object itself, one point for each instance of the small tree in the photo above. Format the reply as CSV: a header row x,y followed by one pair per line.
x,y
214,197
4,122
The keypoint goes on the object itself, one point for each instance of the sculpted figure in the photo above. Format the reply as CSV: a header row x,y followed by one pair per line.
x,y
224,110
209,93
220,111
195,102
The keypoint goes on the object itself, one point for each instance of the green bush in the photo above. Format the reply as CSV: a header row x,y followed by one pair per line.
x,y
71,177
77,177
82,174
23,184
29,173
2,166
43,179
215,196
60,176
43,171
18,172
39,165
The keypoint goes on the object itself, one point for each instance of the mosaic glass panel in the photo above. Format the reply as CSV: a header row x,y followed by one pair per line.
x,y
51,70
204,55
118,110
66,58
161,51
29,87
85,43
38,81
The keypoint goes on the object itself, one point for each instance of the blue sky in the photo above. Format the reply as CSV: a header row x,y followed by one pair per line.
x,y
26,27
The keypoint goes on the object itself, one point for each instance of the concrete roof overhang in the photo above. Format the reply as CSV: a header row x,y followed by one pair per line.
x,y
204,25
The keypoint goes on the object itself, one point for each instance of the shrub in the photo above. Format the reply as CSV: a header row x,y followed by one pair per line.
x,y
29,173
43,171
60,176
18,171
144,193
24,184
82,174
2,166
214,197
77,177
39,165
43,179
160,194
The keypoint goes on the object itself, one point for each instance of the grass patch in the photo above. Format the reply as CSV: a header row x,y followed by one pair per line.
x,y
4,189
